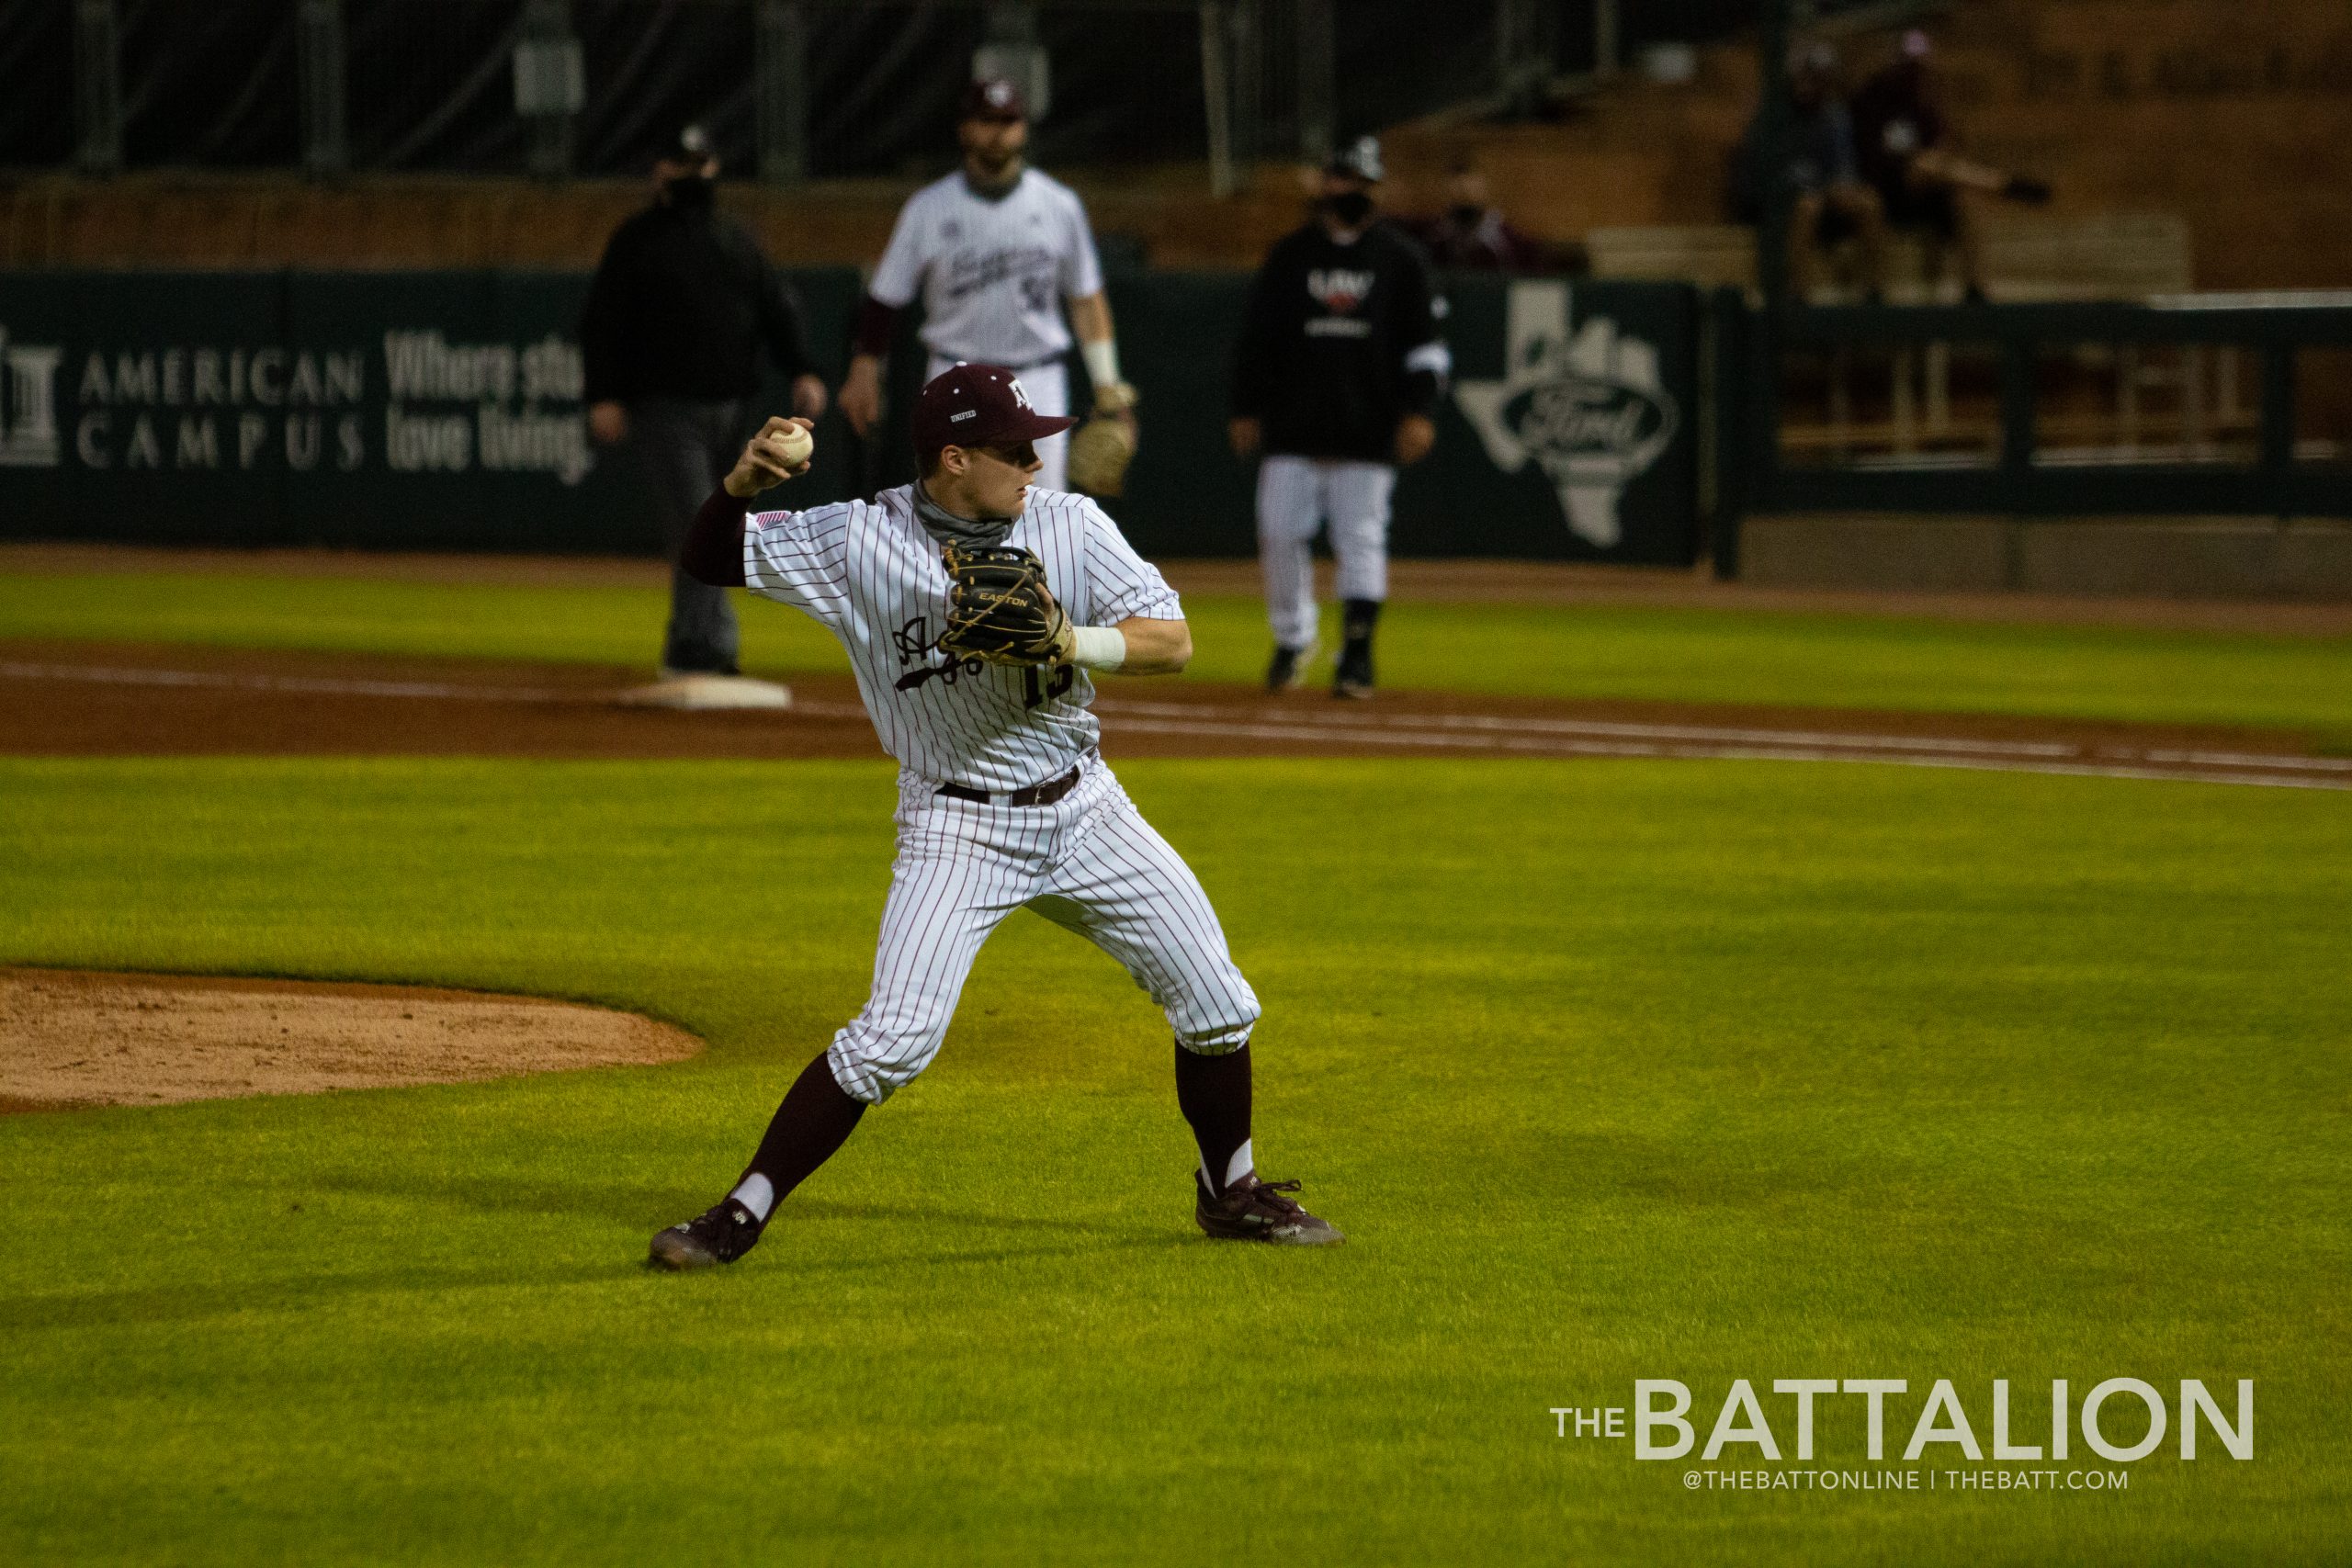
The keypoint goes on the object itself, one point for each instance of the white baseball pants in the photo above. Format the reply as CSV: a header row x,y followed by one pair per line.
x,y
1296,497
1090,863
1048,389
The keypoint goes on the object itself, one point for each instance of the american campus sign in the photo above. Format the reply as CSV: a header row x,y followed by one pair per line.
x,y
432,410
248,407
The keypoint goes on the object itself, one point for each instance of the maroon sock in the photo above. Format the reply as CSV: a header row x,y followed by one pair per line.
x,y
1214,1094
814,1120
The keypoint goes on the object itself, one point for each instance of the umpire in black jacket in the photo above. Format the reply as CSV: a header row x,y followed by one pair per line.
x,y
1336,380
681,307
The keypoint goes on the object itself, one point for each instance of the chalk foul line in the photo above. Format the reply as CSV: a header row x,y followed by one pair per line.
x,y
1463,734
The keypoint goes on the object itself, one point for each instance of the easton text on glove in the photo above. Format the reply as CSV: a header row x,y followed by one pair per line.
x,y
998,609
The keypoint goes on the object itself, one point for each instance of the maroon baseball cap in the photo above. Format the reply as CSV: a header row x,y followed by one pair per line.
x,y
978,405
994,98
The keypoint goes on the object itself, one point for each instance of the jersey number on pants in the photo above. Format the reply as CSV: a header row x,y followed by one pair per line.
x,y
1034,693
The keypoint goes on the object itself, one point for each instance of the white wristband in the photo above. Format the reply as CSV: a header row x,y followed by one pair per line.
x,y
1101,361
1098,648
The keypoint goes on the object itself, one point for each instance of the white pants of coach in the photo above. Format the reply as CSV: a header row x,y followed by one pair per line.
x,y
1048,389
1296,497
1090,863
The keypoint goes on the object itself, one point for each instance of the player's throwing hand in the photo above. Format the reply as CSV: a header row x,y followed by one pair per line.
x,y
780,451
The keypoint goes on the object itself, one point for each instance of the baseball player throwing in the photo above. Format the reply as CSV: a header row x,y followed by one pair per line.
x,y
976,609
993,250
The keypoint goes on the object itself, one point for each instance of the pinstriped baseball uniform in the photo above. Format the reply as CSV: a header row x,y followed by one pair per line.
x,y
870,573
1296,495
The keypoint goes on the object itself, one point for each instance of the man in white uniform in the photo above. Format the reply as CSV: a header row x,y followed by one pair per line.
x,y
1003,800
993,251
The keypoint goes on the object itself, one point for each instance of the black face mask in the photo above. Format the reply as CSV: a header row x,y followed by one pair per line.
x,y
690,191
1349,207
1465,215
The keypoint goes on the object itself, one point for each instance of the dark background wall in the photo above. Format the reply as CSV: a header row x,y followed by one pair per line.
x,y
215,85
422,409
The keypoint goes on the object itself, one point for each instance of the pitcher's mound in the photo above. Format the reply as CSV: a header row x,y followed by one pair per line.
x,y
73,1038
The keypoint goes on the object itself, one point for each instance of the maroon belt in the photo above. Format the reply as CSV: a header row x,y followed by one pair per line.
x,y
1045,794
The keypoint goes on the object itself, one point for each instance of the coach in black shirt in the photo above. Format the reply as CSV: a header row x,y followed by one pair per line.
x,y
682,305
1336,380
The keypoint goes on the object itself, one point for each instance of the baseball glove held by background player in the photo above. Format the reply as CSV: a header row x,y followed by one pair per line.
x,y
1105,446
999,610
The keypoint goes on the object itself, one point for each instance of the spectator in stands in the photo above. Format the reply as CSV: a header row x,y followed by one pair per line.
x,y
1909,154
682,305
1830,203
1471,234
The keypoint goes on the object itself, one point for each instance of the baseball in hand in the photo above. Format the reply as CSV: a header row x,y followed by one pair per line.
x,y
780,450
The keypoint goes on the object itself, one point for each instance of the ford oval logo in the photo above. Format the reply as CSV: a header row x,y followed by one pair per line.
x,y
1589,416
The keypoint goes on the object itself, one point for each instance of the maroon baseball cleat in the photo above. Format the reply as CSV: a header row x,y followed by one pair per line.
x,y
1253,1210
719,1234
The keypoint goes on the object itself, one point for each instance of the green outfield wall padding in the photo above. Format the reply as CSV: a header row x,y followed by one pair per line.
x,y
441,410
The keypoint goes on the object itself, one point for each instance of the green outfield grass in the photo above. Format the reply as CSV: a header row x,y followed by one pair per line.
x,y
1688,655
1611,1070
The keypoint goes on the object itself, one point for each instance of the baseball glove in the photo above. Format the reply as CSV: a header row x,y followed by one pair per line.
x,y
1106,444
999,610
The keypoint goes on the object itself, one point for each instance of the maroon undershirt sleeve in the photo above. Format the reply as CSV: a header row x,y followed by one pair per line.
x,y
876,322
713,552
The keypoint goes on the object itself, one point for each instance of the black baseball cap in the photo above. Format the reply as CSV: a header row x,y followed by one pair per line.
x,y
994,98
978,405
1359,160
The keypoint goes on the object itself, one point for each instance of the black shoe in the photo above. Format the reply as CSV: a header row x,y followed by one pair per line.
x,y
717,1236
1253,1210
1287,668
1353,677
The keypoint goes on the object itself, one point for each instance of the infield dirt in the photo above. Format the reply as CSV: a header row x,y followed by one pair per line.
x,y
74,698
1461,582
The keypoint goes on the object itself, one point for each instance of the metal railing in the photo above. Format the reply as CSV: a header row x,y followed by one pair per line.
x,y
2199,469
